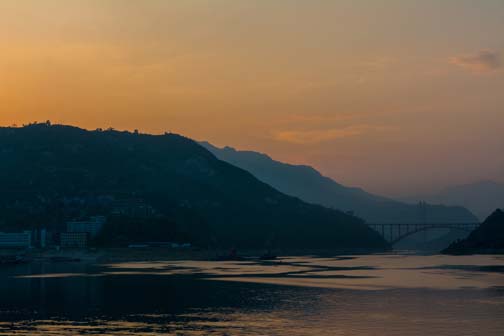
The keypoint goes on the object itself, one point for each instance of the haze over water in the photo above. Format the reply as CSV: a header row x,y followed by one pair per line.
x,y
365,295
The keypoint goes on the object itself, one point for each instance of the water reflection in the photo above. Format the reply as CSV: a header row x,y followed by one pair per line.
x,y
397,295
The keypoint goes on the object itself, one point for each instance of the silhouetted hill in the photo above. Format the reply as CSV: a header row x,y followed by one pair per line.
x,y
46,167
487,238
481,197
309,185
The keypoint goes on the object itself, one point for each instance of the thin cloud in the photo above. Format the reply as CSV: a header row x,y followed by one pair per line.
x,y
318,136
483,61
320,119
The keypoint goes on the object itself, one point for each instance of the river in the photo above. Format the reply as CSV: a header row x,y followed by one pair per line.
x,y
388,294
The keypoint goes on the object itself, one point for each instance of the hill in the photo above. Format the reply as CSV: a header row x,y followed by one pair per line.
x,y
309,185
481,198
53,172
487,238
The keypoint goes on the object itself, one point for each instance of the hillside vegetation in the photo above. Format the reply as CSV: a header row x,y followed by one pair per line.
x,y
487,238
204,199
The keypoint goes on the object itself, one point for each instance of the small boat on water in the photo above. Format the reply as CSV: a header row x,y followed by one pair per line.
x,y
231,256
228,258
268,256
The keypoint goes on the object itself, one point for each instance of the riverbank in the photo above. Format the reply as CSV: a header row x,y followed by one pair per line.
x,y
107,255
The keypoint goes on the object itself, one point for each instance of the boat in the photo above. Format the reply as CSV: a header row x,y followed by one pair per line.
x,y
231,256
268,256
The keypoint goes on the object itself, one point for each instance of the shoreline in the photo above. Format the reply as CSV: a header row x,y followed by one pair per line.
x,y
107,255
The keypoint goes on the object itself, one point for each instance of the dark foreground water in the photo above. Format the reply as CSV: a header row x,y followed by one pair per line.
x,y
367,295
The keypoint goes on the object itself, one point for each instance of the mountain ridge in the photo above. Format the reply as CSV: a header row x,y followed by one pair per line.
x,y
311,186
481,197
201,196
487,238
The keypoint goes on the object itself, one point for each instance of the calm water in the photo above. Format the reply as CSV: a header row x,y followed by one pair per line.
x,y
366,295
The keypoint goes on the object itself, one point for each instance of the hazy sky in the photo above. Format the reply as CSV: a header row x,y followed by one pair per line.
x,y
396,96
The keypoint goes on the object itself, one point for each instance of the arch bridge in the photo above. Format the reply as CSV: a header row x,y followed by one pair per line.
x,y
394,233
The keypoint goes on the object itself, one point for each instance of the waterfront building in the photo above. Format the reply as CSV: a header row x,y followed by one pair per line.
x,y
73,239
93,226
16,239
39,238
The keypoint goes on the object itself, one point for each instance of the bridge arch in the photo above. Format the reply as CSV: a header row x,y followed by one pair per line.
x,y
403,236
398,232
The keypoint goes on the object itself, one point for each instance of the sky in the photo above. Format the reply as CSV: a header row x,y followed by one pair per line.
x,y
399,97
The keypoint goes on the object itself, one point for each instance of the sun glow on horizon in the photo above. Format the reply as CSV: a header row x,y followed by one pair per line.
x,y
388,95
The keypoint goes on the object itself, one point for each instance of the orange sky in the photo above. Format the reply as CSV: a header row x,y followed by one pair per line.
x,y
396,96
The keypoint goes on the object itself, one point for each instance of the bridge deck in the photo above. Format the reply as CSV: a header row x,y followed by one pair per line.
x,y
394,233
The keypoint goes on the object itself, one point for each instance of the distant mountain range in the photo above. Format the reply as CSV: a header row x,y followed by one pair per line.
x,y
309,185
196,196
487,238
481,198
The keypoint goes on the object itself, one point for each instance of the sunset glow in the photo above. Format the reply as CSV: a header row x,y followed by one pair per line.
x,y
394,96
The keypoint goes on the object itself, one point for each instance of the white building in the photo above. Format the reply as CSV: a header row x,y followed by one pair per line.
x,y
16,239
73,239
92,226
